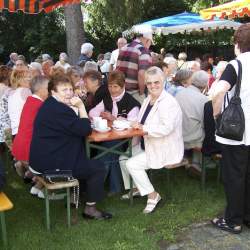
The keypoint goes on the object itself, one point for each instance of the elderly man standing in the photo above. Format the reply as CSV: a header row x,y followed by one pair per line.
x,y
13,59
86,54
121,42
133,60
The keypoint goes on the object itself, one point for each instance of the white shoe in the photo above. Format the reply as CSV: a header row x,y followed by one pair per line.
x,y
40,194
34,190
152,204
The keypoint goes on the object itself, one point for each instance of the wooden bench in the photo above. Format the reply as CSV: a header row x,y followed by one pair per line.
x,y
57,186
168,168
215,157
5,205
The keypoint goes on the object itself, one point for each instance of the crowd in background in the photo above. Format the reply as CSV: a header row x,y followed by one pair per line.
x,y
169,97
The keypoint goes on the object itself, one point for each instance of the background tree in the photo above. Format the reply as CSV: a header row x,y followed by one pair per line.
x,y
74,31
31,35
108,18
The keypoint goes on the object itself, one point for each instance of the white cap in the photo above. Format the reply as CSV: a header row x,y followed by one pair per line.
x,y
144,30
86,48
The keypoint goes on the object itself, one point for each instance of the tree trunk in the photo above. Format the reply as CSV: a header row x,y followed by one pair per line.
x,y
74,31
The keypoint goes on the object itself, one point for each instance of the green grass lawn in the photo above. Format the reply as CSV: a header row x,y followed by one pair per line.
x,y
129,229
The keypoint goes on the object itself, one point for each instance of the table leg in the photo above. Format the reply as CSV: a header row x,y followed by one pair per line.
x,y
87,149
130,178
47,209
3,225
68,207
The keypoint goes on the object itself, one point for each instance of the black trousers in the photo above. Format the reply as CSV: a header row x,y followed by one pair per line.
x,y
236,180
91,176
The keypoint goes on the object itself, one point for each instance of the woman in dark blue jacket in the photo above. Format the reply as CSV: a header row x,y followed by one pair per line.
x,y
58,139
2,176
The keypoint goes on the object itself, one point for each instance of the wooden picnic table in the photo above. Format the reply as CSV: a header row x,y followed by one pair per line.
x,y
122,137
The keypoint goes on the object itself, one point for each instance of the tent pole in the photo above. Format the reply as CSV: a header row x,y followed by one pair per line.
x,y
185,41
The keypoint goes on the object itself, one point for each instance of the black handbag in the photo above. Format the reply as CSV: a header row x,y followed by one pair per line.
x,y
230,124
58,175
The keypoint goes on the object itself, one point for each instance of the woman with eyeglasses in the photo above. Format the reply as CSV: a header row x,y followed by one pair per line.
x,y
160,117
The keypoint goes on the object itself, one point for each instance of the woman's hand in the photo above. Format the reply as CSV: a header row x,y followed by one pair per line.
x,y
136,125
108,116
76,102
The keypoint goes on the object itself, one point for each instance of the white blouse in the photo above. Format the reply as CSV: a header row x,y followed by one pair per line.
x,y
16,100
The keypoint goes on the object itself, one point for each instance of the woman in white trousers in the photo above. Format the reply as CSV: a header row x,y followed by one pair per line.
x,y
160,118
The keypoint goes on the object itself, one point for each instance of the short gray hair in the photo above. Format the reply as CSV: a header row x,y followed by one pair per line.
x,y
90,65
182,76
38,82
200,79
75,70
170,60
154,71
86,48
182,56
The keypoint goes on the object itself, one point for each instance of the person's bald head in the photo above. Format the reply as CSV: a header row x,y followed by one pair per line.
x,y
121,42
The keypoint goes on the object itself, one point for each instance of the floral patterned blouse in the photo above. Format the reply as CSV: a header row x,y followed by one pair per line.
x,y
4,116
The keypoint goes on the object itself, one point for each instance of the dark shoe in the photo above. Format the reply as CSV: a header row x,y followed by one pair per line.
x,y
246,223
102,216
223,225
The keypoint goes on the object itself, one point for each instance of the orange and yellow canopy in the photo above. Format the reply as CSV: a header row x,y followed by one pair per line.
x,y
233,9
34,6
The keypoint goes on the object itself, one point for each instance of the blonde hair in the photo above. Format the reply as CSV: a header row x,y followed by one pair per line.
x,y
17,77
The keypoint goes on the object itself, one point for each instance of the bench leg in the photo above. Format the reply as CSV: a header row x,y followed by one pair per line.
x,y
3,225
218,165
203,172
47,209
131,191
68,207
169,182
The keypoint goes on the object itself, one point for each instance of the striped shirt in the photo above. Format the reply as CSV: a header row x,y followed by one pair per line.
x,y
131,59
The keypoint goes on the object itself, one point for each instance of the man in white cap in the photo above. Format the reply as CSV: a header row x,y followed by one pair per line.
x,y
86,54
133,60
121,42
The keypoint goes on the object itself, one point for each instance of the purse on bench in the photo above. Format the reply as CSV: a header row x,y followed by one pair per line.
x,y
58,175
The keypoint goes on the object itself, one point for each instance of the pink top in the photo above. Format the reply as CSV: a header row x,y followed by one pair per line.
x,y
96,111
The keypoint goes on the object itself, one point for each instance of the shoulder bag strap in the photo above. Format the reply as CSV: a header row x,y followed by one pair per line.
x,y
239,77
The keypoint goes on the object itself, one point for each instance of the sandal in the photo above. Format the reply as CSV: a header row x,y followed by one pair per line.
x,y
223,225
152,204
135,194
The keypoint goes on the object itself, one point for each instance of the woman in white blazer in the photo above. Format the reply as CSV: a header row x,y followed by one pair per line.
x,y
161,118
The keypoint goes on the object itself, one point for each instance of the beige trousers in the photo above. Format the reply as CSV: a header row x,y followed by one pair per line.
x,y
136,166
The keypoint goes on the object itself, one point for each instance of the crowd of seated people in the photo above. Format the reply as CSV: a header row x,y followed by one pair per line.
x,y
47,110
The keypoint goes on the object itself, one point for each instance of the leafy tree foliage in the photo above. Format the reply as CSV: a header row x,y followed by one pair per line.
x,y
31,35
108,18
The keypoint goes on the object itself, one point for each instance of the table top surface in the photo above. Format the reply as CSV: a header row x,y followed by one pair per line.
x,y
114,135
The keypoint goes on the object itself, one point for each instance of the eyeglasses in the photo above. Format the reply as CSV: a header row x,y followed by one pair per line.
x,y
151,83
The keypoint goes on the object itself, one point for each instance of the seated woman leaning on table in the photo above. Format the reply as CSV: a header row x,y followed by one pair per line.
x,y
117,104
58,142
160,118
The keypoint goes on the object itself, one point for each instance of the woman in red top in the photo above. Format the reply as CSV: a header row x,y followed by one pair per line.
x,y
21,144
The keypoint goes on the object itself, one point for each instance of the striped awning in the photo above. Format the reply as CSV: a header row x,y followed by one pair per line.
x,y
237,8
34,6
